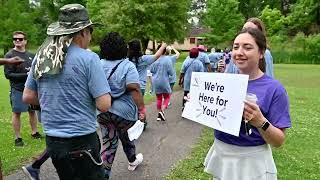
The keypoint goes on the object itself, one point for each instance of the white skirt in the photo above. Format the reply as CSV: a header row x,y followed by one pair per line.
x,y
230,162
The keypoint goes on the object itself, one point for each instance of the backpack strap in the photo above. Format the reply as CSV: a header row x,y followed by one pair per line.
x,y
114,69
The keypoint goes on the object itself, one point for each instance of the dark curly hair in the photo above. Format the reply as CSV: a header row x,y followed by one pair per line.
x,y
134,51
113,47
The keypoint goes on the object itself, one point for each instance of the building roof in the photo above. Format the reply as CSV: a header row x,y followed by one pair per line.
x,y
197,31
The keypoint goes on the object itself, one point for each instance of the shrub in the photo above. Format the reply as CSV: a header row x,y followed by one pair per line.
x,y
313,48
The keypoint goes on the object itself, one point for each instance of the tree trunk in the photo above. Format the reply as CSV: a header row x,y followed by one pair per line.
x,y
145,43
285,7
318,14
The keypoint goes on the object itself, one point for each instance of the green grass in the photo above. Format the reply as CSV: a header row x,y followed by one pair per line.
x,y
299,157
11,156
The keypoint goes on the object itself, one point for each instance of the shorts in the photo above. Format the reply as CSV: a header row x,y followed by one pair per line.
x,y
16,102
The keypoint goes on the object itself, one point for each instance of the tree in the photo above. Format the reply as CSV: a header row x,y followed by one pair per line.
x,y
16,15
224,20
156,20
305,17
198,8
51,7
273,20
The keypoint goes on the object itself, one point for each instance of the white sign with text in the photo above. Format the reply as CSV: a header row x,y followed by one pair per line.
x,y
217,100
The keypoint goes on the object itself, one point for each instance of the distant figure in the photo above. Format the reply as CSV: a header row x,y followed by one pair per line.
x,y
142,61
162,70
17,75
203,57
173,79
214,58
190,64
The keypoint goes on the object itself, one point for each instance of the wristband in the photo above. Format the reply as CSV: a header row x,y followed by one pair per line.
x,y
265,125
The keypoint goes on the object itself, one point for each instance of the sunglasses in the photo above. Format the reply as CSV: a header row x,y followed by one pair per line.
x,y
16,39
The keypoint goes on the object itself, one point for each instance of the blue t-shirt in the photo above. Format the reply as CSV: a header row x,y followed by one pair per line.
x,y
232,68
269,63
274,105
214,59
173,79
143,63
67,100
126,73
190,65
161,70
203,57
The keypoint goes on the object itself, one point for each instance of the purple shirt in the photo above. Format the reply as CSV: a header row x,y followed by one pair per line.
x,y
274,105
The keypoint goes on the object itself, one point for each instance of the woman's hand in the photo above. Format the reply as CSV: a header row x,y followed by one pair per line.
x,y
253,114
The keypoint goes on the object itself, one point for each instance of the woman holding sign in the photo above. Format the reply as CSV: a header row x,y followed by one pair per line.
x,y
249,156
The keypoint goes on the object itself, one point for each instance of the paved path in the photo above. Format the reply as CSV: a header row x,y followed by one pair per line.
x,y
162,144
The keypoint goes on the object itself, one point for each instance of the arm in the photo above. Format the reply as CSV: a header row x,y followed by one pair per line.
x,y
160,50
176,52
273,135
9,71
103,103
207,62
208,67
14,60
30,96
181,79
134,89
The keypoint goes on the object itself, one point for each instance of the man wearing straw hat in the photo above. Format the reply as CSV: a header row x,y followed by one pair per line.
x,y
68,83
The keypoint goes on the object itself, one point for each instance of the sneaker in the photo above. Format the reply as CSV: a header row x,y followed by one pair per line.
x,y
159,117
162,116
132,166
36,135
31,173
18,142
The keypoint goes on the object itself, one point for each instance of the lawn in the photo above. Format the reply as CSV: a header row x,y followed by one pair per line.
x,y
299,157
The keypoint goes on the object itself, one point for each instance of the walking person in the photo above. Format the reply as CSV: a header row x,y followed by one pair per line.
x,y
69,85
142,61
190,64
249,156
162,70
173,79
204,58
127,103
17,75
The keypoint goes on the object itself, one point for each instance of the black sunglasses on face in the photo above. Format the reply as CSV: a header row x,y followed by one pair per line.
x,y
20,39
